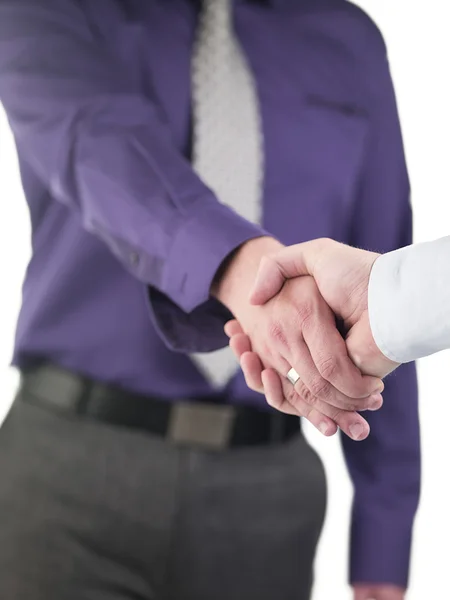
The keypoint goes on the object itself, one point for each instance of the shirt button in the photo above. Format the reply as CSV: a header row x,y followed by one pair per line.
x,y
134,259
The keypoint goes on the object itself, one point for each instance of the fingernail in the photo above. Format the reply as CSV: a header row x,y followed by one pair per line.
x,y
356,430
375,401
323,428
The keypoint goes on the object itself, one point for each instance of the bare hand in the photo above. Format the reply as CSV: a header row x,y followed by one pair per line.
x,y
306,337
342,275
297,329
378,592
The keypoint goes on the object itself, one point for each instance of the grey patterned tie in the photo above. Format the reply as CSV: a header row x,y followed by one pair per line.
x,y
228,145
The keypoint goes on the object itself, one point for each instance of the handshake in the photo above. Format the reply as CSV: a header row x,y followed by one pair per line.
x,y
302,332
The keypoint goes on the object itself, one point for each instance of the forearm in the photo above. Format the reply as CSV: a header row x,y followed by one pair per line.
x,y
409,301
100,147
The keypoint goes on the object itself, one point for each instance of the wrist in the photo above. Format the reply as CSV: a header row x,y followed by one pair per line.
x,y
235,278
364,351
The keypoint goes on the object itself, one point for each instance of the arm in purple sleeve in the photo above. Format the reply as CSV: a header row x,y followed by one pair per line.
x,y
102,149
385,468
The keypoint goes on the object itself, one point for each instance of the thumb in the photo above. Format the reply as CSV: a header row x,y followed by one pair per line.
x,y
275,269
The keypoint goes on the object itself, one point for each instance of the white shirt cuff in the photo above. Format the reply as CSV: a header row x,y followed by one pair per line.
x,y
409,301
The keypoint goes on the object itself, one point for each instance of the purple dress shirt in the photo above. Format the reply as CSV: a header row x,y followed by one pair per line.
x,y
98,97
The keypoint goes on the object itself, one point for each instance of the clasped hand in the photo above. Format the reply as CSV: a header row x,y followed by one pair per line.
x,y
289,320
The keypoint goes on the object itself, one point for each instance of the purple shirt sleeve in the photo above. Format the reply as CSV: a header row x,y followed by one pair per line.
x,y
385,469
104,150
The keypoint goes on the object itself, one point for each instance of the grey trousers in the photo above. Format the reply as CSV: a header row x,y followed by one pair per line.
x,y
94,512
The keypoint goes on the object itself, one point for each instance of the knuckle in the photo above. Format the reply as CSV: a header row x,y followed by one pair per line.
x,y
277,333
305,394
325,241
349,406
342,404
328,367
307,317
324,244
358,360
305,312
320,388
338,416
292,397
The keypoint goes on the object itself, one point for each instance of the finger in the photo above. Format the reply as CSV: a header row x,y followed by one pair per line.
x,y
269,281
300,401
386,592
280,394
350,422
313,387
289,262
240,343
273,390
329,354
232,328
378,592
362,593
252,369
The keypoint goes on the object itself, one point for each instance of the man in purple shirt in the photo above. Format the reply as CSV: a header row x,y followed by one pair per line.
x,y
125,472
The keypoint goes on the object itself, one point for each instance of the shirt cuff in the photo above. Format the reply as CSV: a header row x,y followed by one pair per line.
x,y
184,314
201,330
380,549
409,301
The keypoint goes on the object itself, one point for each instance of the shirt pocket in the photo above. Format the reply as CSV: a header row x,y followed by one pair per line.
x,y
315,164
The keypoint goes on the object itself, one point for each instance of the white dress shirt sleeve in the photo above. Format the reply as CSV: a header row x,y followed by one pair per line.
x,y
409,301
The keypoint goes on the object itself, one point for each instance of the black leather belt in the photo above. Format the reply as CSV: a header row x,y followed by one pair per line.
x,y
197,423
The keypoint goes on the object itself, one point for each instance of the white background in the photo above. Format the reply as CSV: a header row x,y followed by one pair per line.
x,y
419,47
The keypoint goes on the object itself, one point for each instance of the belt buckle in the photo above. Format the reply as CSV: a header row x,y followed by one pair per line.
x,y
197,424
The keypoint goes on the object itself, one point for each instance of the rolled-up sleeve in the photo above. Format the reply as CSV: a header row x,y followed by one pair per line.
x,y
103,149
